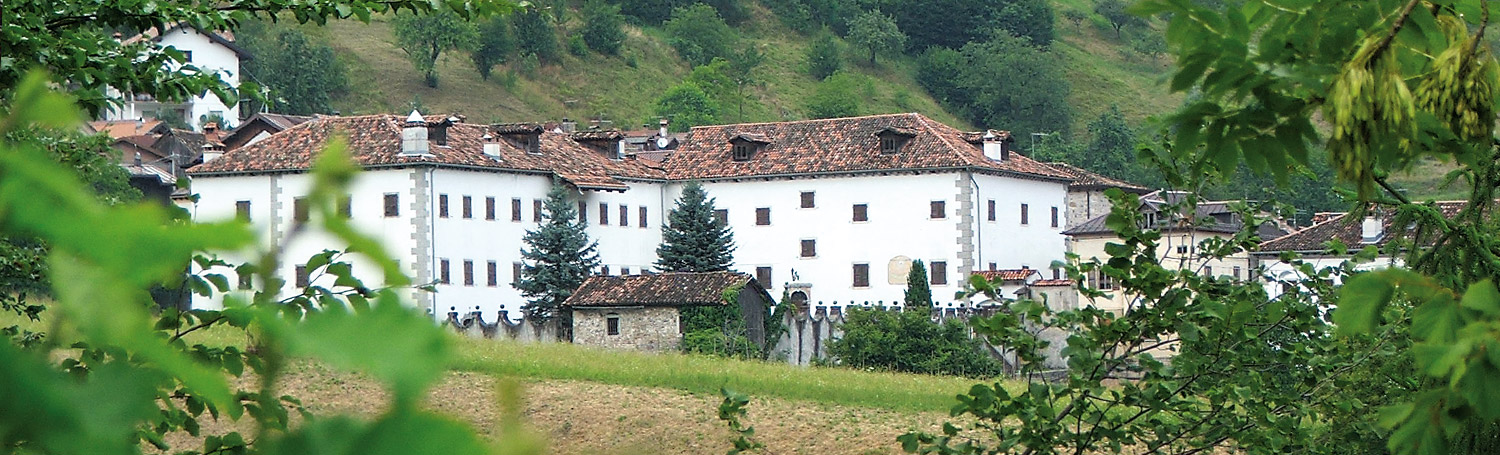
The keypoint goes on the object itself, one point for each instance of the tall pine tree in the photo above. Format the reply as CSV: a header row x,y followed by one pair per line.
x,y
693,240
558,257
918,292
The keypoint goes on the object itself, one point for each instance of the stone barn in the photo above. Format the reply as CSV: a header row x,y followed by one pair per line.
x,y
641,311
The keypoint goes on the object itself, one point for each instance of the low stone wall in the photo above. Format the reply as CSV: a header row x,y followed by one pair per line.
x,y
503,327
642,328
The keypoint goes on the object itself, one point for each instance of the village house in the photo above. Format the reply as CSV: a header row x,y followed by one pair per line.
x,y
830,211
644,311
260,126
1312,245
214,52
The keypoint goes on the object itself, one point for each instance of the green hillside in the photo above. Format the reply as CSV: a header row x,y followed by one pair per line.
x,y
1101,70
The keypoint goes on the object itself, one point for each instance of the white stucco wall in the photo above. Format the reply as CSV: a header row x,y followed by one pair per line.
x,y
207,56
1010,244
1277,274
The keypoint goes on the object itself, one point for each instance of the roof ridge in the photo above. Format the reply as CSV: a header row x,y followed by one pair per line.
x,y
965,158
815,120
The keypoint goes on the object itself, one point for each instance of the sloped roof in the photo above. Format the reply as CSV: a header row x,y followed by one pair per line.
x,y
840,145
273,123
1347,229
1046,283
1206,217
665,289
224,38
162,176
1008,274
1084,179
375,141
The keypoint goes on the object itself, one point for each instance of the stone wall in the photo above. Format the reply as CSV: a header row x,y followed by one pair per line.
x,y
1085,205
504,328
646,329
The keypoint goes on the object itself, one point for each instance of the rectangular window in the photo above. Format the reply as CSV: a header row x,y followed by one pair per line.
x,y
583,212
763,216
247,279
643,215
1025,214
489,208
443,271
1054,217
861,275
536,210
939,271
861,212
722,216
604,270
1182,249
939,210
515,210
299,210
1056,274
624,271
992,210
346,206
188,55
1236,272
392,205
242,211
1208,271
809,248
763,275
468,207
624,215
612,324
604,214
492,274
992,266
303,278
515,272
468,272
442,206
807,200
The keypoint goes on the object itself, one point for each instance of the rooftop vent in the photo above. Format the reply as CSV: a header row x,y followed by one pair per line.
x,y
414,135
1371,230
491,146
994,146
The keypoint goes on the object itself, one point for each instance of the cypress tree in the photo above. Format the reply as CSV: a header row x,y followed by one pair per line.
x,y
558,257
693,240
918,292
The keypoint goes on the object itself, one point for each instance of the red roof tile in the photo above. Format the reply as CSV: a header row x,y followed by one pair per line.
x,y
1347,229
1083,179
666,289
1008,274
840,145
1044,283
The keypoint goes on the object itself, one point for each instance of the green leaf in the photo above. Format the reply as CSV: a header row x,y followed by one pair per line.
x,y
1437,320
1482,297
390,341
1360,302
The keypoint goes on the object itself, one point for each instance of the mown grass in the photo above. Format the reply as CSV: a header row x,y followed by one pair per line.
x,y
700,374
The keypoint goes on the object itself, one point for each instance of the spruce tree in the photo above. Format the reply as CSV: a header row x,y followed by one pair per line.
x,y
693,240
558,257
918,292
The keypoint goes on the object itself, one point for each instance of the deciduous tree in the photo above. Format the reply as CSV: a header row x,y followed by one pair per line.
x,y
836,96
876,33
687,106
536,35
602,30
824,56
1031,98
1114,12
302,75
495,45
699,34
424,38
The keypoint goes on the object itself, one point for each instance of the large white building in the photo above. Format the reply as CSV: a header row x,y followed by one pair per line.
x,y
830,211
213,52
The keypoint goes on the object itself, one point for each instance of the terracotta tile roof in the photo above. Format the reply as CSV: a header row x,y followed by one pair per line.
x,y
163,176
609,135
1084,179
1045,283
125,128
375,141
840,145
1008,274
1347,229
1208,216
666,289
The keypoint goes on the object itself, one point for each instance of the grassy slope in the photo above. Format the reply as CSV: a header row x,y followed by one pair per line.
x,y
1101,71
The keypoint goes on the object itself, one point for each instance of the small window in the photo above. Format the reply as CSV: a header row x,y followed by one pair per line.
x,y
721,216
991,216
742,151
939,210
643,216
1057,274
889,144
392,205
763,275
1025,214
763,216
303,277
992,267
612,324
604,214
861,212
515,210
807,200
443,276
624,271
489,208
468,207
492,274
515,272
604,270
1208,271
247,279
861,275
1182,249
583,212
624,215
299,210
1236,272
809,248
468,272
188,55
939,270
533,144
1054,217
346,206
536,210
242,211
442,206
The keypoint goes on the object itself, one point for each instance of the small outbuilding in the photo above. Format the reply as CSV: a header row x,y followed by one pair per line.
x,y
642,311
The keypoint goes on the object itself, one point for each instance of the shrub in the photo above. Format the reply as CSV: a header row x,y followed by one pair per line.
x,y
909,341
576,46
824,57
834,97
699,34
601,27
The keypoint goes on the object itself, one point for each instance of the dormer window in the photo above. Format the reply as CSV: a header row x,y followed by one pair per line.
x,y
438,133
526,136
742,151
744,145
534,143
892,138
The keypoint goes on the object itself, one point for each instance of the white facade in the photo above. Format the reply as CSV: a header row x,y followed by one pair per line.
x,y
203,53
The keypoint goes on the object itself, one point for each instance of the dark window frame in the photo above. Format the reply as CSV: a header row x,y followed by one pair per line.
x,y
1025,214
301,211
938,210
468,208
536,210
303,276
762,216
808,200
1055,215
624,215
861,213
991,216
242,211
643,216
492,274
468,272
515,209
612,324
809,248
938,273
721,216
489,208
861,275
442,206
604,214
392,203
444,272
763,275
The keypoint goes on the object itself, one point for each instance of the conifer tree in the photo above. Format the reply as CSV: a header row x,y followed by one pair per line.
x,y
693,240
558,257
918,292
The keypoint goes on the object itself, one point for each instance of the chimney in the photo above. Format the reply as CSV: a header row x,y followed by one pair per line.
x,y
212,151
137,158
1371,230
994,147
663,131
569,125
211,131
491,146
414,135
